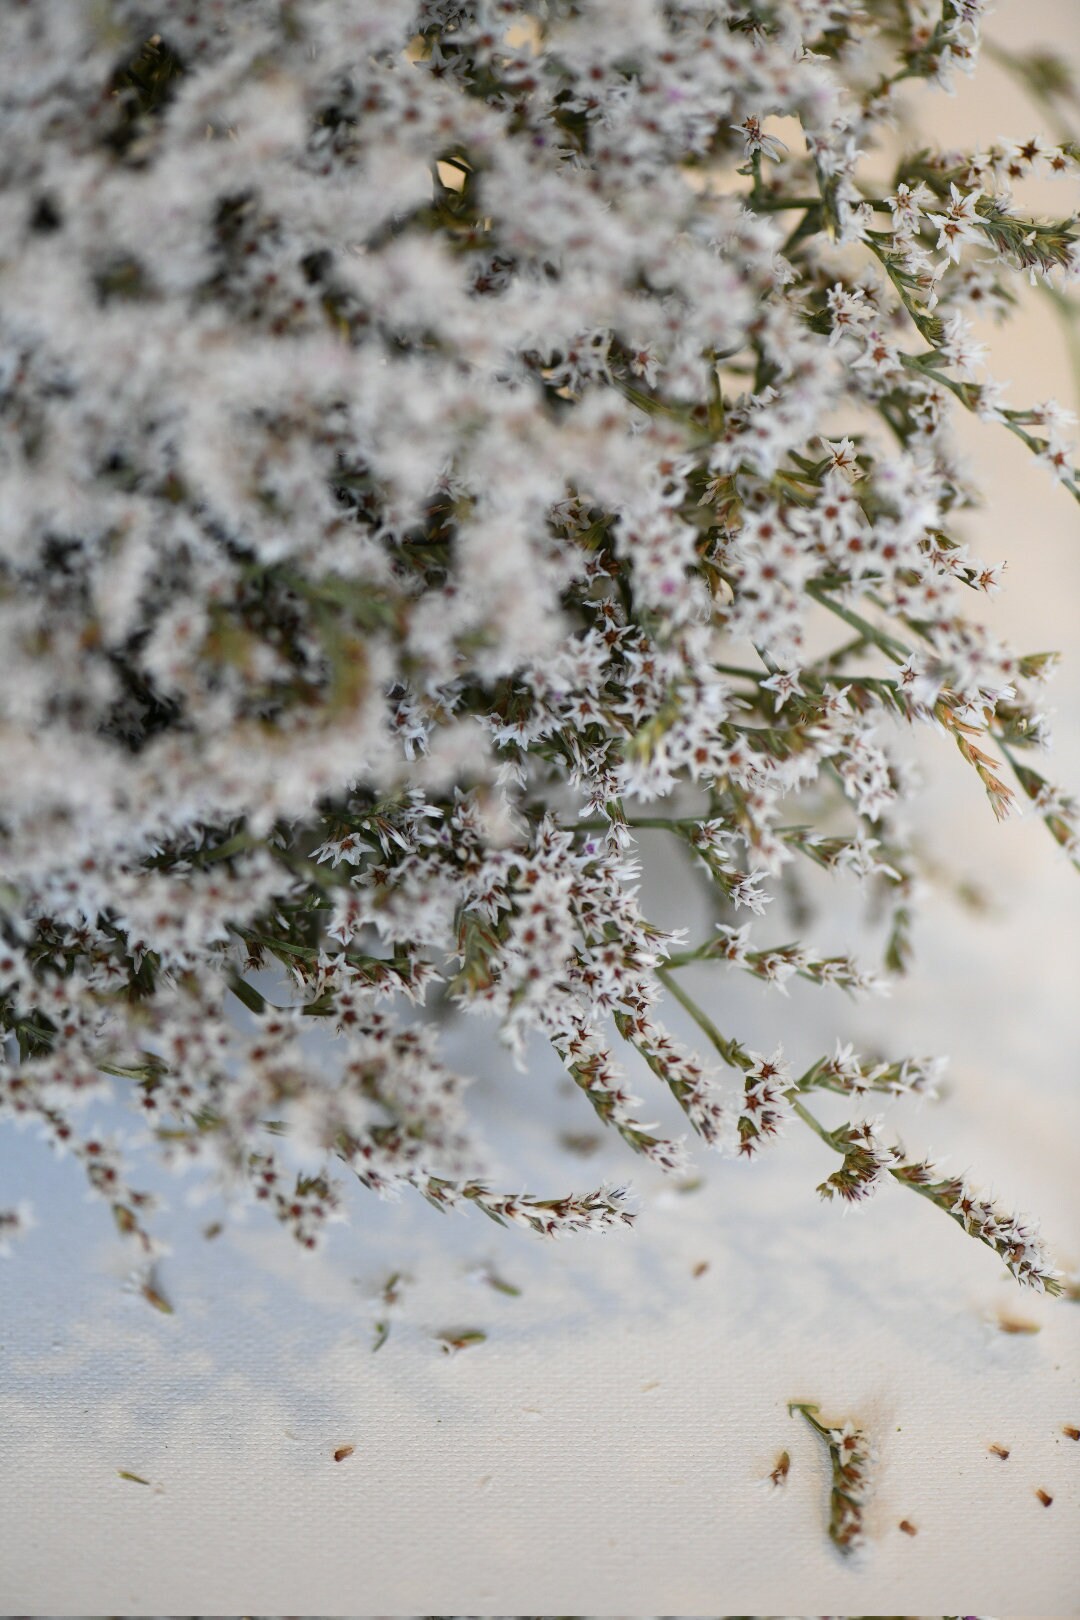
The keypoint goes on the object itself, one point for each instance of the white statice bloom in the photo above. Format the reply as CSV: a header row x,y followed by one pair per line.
x,y
784,685
960,349
746,891
959,224
734,943
908,204
1058,456
849,311
765,1109
755,140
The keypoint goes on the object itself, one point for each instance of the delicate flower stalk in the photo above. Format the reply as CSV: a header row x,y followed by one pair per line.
x,y
548,1217
772,1097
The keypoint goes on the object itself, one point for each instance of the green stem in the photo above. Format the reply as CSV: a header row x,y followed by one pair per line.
x,y
731,1052
768,204
929,326
235,845
815,1124
646,402
740,671
888,644
666,823
919,363
808,1408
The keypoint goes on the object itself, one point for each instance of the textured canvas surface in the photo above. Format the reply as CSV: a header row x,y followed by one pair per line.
x,y
603,1450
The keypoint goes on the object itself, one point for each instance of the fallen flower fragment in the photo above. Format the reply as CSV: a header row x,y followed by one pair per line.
x,y
454,1341
851,1457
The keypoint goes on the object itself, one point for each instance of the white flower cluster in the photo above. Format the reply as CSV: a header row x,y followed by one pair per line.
x,y
853,1459
420,459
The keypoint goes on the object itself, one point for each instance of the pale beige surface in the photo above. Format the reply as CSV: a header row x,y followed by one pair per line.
x,y
602,1452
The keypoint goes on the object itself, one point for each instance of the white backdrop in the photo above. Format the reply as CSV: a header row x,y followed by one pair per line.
x,y
603,1451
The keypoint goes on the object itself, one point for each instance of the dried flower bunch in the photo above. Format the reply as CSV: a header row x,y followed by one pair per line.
x,y
436,435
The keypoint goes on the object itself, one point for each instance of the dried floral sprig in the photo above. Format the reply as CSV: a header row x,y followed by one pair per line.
x,y
772,1096
851,1458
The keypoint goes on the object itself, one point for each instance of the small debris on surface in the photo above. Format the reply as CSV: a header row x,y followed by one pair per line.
x,y
653,1383
342,1452
1044,1497
700,1269
488,1275
214,1230
389,1294
584,1144
1073,1434
1000,1451
136,1479
150,1290
391,1289
452,1342
908,1528
781,1471
1017,1324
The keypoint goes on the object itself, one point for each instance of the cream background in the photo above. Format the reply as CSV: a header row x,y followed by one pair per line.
x,y
602,1452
